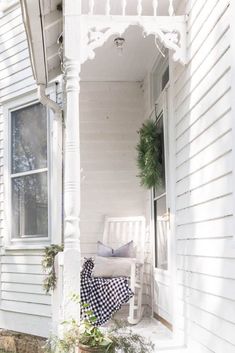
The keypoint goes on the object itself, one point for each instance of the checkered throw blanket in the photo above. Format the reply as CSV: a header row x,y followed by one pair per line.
x,y
104,295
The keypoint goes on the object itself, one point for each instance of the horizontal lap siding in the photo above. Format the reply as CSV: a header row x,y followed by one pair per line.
x,y
24,305
111,114
15,70
204,184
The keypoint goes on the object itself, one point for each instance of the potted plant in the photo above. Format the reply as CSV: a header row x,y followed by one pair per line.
x,y
86,336
92,339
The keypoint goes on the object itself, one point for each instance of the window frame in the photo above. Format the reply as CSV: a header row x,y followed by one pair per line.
x,y
157,72
32,237
54,176
156,198
232,45
162,99
162,102
168,277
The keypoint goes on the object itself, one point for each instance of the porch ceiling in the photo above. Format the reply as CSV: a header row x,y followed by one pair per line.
x,y
136,60
44,24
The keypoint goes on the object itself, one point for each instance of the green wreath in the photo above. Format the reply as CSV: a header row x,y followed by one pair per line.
x,y
149,159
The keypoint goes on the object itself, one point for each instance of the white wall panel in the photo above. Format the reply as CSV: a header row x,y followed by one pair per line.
x,y
111,114
204,185
23,304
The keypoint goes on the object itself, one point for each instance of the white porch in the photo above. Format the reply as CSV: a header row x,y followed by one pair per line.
x,y
202,128
115,98
108,96
122,90
163,339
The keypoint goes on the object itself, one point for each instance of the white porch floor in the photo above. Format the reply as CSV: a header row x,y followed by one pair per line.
x,y
159,335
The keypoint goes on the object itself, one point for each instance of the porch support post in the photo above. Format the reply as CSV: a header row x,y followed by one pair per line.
x,y
72,254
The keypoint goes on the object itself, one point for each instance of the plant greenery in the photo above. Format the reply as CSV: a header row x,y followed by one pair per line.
x,y
48,260
89,334
117,337
125,340
149,155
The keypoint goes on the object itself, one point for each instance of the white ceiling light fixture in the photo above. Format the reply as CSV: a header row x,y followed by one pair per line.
x,y
119,43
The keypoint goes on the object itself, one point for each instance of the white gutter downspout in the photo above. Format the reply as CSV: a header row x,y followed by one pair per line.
x,y
57,145
56,211
42,97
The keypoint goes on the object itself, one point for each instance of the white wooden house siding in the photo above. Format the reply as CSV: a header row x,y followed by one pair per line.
x,y
204,199
23,303
203,156
111,113
109,186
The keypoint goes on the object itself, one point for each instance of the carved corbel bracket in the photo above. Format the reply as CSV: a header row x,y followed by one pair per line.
x,y
171,35
171,31
95,35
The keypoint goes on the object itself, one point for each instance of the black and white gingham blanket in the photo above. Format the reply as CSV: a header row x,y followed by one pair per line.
x,y
105,296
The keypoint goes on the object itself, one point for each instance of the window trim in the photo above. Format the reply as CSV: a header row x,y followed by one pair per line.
x,y
30,237
171,274
162,102
54,176
158,71
232,44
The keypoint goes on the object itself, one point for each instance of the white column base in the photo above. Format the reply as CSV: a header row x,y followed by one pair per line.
x,y
72,267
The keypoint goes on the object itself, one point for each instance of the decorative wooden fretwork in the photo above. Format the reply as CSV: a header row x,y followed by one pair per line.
x,y
98,28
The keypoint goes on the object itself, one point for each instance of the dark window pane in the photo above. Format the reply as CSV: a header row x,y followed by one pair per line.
x,y
29,138
161,224
30,206
161,188
165,78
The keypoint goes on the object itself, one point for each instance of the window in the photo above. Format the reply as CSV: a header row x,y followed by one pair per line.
x,y
29,172
160,77
32,173
160,206
165,78
160,199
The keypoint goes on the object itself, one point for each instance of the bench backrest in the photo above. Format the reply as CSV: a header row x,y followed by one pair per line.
x,y
121,230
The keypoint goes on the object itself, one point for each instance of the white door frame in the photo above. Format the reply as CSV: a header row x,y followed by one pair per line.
x,y
169,135
161,105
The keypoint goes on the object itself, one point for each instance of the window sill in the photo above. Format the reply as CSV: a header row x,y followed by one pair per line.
x,y
23,246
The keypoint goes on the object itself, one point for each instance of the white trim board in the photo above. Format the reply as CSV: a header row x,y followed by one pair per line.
x,y
232,43
54,178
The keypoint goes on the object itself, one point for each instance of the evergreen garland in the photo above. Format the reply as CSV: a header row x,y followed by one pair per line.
x,y
48,266
149,158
